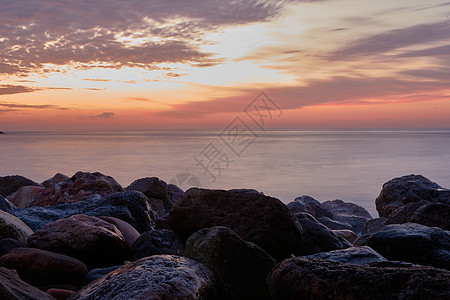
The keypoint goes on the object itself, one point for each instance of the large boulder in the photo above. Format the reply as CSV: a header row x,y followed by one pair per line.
x,y
347,212
406,189
10,184
95,274
8,244
302,278
14,288
25,195
256,218
80,187
307,201
157,192
44,268
156,277
241,267
90,239
57,178
354,255
156,242
129,233
413,243
13,227
374,225
131,207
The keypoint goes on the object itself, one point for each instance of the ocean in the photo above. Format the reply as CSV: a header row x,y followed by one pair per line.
x,y
324,164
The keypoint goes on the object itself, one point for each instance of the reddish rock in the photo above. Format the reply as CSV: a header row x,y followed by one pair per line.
x,y
58,177
129,232
14,288
44,268
13,227
10,184
79,187
90,239
60,294
25,195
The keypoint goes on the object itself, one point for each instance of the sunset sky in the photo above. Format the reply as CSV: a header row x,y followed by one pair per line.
x,y
187,64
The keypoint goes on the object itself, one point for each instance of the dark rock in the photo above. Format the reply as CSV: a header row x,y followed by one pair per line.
x,y
97,273
60,294
240,267
129,233
57,178
80,187
319,210
131,207
423,212
347,234
7,245
14,288
301,278
298,206
339,207
177,192
162,222
13,227
155,242
256,218
374,225
25,195
156,277
95,242
42,268
413,243
356,222
157,191
406,189
6,205
333,224
10,184
354,255
363,240
317,237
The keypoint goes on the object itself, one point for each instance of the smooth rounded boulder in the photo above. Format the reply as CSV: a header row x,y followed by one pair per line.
x,y
14,288
354,255
25,195
156,242
13,227
129,233
10,184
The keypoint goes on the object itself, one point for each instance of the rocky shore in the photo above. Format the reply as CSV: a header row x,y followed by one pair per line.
x,y
87,237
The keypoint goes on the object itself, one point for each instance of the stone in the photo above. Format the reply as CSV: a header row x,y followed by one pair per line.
x,y
240,267
256,218
6,205
374,225
350,213
354,255
8,244
156,191
131,207
43,268
406,189
80,187
346,234
10,184
423,212
162,222
129,233
317,237
57,178
97,273
319,210
25,195
298,206
155,277
14,288
177,192
60,294
95,242
333,224
13,227
413,243
155,242
302,278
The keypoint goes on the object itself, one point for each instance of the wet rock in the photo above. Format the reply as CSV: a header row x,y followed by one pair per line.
x,y
97,273
241,267
14,288
80,187
406,189
129,233
414,243
57,178
374,225
25,195
156,277
10,184
155,242
157,192
43,268
95,242
354,255
8,244
423,212
13,227
256,218
302,278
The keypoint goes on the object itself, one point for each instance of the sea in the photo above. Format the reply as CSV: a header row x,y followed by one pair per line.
x,y
351,165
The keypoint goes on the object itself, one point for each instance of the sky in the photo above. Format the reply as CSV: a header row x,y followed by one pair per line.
x,y
198,64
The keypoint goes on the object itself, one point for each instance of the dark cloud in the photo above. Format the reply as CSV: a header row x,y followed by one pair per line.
x,y
97,79
433,51
95,89
18,106
7,89
138,99
105,115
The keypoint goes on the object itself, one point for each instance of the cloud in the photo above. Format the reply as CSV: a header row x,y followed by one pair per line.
x,y
7,89
138,99
95,89
105,115
17,106
174,75
97,79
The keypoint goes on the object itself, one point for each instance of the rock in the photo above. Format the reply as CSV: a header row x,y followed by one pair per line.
x,y
155,242
42,268
57,178
347,234
350,213
14,288
298,206
60,294
319,210
80,187
131,207
177,192
302,278
333,224
162,222
363,240
25,195
156,277
10,184
6,205
95,242
157,192
8,244
129,233
97,273
240,267
256,218
13,227
414,243
374,225
317,237
354,255
406,189
423,212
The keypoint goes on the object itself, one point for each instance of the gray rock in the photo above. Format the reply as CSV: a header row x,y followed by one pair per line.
x,y
374,225
155,277
6,205
97,273
177,192
298,206
241,267
339,207
8,244
354,255
155,242
156,190
10,184
13,227
423,212
14,288
319,210
333,224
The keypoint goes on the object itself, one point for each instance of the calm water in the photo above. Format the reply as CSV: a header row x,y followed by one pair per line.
x,y
327,165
